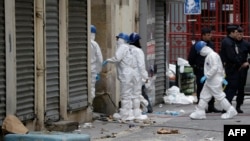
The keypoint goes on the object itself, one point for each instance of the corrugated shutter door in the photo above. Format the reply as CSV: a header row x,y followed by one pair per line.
x,y
25,59
78,78
52,60
160,50
2,64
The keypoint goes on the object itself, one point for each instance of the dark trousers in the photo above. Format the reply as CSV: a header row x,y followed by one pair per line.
x,y
232,77
199,73
241,86
145,95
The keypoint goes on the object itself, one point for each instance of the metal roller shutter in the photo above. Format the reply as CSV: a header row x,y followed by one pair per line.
x,y
160,50
25,59
2,64
77,38
52,60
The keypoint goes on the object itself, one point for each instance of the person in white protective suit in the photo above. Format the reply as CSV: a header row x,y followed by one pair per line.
x,y
125,71
140,75
96,61
213,78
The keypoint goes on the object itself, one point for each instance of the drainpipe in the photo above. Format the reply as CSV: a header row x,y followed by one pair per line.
x,y
63,47
10,43
89,111
40,63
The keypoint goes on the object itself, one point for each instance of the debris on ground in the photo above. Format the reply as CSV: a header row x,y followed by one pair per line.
x,y
167,131
113,135
131,125
210,139
87,125
13,125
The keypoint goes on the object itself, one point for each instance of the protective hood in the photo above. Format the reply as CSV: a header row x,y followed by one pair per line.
x,y
205,51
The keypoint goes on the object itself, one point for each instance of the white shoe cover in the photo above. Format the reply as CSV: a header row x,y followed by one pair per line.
x,y
138,115
126,114
141,117
130,116
116,116
198,114
231,112
126,111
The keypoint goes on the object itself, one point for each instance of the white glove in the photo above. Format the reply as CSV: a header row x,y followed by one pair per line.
x,y
148,85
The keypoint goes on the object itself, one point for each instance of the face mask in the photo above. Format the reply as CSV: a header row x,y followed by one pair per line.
x,y
120,41
92,36
204,51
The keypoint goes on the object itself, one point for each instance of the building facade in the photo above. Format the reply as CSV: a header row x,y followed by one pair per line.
x,y
44,61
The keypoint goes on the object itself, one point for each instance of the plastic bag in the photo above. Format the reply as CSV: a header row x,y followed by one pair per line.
x,y
173,96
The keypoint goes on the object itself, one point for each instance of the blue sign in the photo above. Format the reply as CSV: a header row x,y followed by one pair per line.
x,y
192,7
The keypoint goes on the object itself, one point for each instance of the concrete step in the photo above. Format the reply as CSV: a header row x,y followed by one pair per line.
x,y
50,136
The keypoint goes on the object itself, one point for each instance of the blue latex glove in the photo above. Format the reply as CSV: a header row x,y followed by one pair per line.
x,y
203,79
104,63
224,82
98,77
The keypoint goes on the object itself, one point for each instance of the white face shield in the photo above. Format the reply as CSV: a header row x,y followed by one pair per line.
x,y
92,36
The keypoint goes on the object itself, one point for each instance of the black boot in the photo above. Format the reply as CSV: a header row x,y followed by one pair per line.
x,y
223,111
212,109
238,109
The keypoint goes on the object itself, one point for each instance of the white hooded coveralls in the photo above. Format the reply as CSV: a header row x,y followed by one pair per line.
x,y
96,64
140,73
126,73
125,68
214,72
